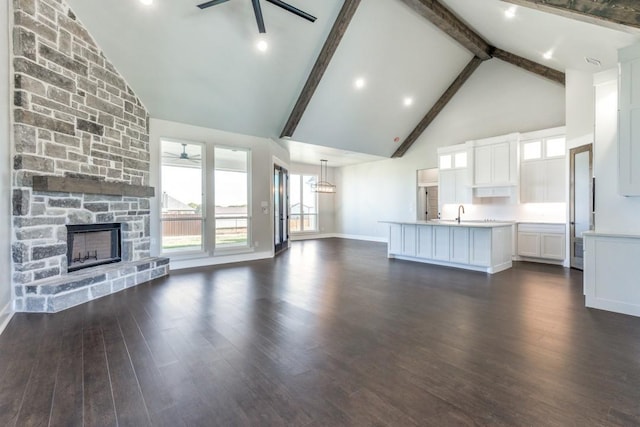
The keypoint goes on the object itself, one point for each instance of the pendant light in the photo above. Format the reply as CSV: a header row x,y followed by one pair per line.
x,y
323,186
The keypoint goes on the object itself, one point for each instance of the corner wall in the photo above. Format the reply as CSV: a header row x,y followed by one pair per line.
x,y
5,168
498,98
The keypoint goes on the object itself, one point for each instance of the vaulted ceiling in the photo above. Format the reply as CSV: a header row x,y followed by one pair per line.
x,y
201,66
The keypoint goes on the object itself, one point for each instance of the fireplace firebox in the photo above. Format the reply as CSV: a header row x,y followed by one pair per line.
x,y
90,245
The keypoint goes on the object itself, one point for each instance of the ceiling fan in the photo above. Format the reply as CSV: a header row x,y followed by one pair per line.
x,y
182,156
258,10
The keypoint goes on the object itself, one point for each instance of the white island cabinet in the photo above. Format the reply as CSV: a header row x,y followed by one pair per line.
x,y
480,246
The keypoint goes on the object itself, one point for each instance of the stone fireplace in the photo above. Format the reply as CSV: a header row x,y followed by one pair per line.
x,y
81,158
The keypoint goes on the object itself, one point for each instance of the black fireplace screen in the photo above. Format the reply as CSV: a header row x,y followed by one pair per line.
x,y
89,245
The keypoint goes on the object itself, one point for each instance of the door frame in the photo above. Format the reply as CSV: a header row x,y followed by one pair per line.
x,y
283,212
573,260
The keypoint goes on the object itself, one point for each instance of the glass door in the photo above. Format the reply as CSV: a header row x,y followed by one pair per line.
x,y
581,201
281,208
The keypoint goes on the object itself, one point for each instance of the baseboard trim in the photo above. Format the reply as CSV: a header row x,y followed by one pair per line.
x,y
182,264
361,237
310,236
5,316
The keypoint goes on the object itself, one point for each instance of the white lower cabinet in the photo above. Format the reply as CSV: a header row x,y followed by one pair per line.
x,y
482,248
479,241
424,246
441,243
408,240
402,239
459,245
544,241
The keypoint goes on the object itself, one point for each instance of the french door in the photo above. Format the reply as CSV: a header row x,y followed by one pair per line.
x,y
281,208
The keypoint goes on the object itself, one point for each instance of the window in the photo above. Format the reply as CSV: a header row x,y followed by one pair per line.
x,y
445,161
182,213
231,197
461,160
532,150
555,147
303,204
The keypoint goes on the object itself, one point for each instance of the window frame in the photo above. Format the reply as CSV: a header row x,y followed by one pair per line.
x,y
203,206
302,214
227,249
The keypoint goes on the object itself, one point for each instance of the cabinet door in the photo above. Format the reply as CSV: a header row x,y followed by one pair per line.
x,y
501,163
464,192
459,244
529,244
532,182
395,238
447,186
424,248
482,163
552,246
441,243
480,247
554,181
629,129
408,240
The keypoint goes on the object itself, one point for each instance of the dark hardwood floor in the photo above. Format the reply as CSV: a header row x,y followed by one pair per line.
x,y
329,333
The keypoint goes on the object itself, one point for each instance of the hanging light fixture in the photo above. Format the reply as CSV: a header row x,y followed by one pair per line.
x,y
323,186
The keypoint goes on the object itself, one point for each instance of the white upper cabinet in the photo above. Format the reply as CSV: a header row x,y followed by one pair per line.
x,y
629,121
495,161
543,166
454,175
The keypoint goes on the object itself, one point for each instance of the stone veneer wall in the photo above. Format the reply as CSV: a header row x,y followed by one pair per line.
x,y
73,116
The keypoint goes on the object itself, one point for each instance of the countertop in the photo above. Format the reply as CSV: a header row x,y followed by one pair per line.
x,y
454,223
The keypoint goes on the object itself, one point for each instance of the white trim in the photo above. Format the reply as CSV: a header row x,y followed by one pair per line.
x,y
5,316
181,264
360,237
310,236
491,269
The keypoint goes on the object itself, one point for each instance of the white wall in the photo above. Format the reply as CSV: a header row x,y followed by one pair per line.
x,y
264,152
498,99
614,213
5,180
326,202
580,108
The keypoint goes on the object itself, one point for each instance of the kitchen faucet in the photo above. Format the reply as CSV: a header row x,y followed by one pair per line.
x,y
460,216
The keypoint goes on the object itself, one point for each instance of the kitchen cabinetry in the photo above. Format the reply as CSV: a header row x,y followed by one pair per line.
x,y
543,167
402,239
459,241
629,121
495,161
454,186
544,241
474,246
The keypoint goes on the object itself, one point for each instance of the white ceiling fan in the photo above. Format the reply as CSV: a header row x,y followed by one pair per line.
x,y
195,158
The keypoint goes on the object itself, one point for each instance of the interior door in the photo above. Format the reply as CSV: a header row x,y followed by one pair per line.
x,y
281,208
580,200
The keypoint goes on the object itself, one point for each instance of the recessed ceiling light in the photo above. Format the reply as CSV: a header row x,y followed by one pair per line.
x,y
262,45
146,2
548,54
407,101
510,13
593,61
359,83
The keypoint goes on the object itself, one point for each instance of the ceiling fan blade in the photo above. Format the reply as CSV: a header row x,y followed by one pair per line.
x,y
294,10
211,3
258,11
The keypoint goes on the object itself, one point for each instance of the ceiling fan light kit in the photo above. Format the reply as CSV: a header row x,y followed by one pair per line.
x,y
257,10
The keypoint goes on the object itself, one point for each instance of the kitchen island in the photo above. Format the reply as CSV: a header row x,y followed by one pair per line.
x,y
482,246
